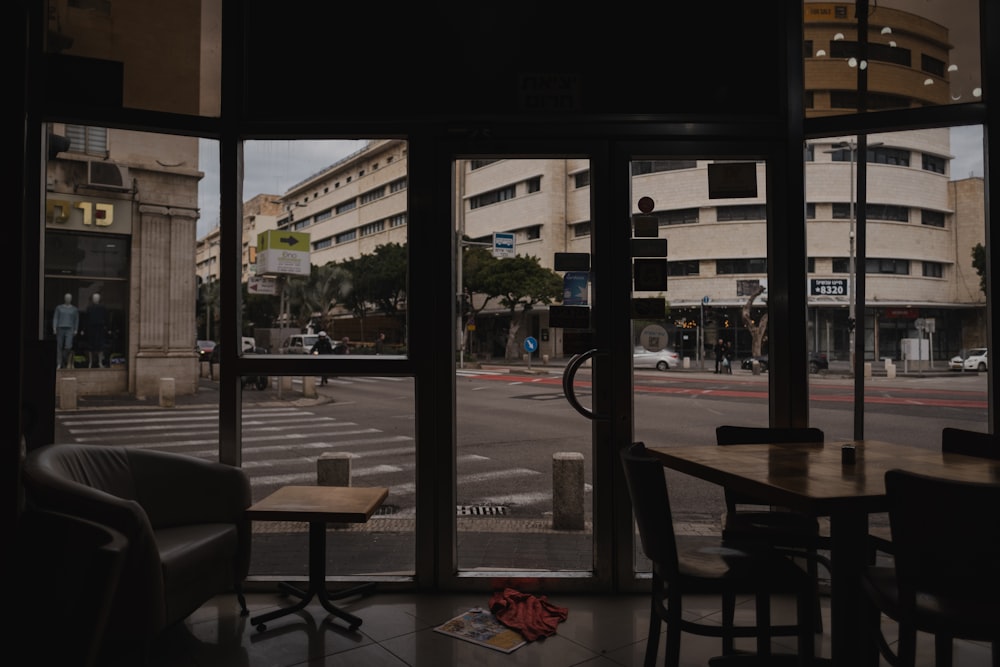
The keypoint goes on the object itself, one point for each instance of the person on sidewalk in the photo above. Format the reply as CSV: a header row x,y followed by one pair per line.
x,y
720,351
322,346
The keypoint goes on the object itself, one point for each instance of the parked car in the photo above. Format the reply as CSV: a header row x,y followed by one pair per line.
x,y
661,360
204,349
817,362
298,343
972,360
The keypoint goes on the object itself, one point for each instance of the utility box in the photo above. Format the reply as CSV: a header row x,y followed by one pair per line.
x,y
916,349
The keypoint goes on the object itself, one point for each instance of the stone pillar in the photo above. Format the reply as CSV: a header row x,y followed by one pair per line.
x,y
567,491
333,469
167,393
285,382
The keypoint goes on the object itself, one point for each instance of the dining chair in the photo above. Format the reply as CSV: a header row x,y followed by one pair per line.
x,y
944,578
704,565
748,520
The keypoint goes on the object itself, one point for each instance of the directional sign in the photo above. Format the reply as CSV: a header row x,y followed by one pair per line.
x,y
503,244
262,285
530,344
283,252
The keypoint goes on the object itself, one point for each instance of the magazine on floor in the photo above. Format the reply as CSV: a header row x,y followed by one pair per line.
x,y
480,626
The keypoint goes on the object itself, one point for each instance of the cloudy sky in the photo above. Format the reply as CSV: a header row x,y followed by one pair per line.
x,y
275,166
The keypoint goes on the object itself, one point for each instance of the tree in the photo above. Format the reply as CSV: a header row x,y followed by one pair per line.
x,y
516,283
378,283
979,264
758,331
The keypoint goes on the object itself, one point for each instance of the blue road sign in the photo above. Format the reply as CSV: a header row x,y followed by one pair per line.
x,y
530,344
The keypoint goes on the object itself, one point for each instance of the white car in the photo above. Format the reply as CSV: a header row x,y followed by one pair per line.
x,y
661,360
299,343
974,360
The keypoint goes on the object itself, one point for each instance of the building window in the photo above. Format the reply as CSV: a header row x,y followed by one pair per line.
x,y
348,205
811,211
534,184
372,228
323,215
810,153
323,243
742,265
679,216
931,218
479,164
842,211
530,233
88,140
741,212
492,197
876,52
582,179
581,229
933,163
811,265
654,166
349,235
372,195
299,224
691,267
397,220
840,265
900,267
896,156
932,65
933,269
397,185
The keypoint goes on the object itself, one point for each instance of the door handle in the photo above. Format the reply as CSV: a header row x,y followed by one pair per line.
x,y
567,382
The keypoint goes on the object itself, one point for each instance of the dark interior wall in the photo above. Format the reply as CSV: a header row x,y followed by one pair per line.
x,y
415,59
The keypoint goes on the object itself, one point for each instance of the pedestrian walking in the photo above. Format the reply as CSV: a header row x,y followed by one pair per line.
x,y
322,346
720,353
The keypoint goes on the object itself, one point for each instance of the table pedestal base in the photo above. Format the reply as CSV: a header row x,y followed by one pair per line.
x,y
317,585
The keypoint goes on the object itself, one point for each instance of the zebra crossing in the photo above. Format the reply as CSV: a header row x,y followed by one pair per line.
x,y
281,445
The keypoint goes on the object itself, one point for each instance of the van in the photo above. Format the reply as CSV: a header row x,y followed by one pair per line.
x,y
298,343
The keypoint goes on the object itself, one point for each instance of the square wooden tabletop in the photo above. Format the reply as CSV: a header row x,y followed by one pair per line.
x,y
341,504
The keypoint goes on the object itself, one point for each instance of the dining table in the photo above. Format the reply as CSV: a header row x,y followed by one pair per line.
x,y
843,480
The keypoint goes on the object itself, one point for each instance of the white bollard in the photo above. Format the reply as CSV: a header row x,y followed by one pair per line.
x,y
890,371
309,386
567,491
168,393
868,369
67,393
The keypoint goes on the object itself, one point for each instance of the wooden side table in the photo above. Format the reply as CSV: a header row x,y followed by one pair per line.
x,y
318,506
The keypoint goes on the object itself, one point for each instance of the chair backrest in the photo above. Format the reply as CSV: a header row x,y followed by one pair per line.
x,y
946,537
970,443
760,435
647,488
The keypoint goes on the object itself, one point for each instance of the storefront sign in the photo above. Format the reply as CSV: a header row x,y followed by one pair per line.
x,y
283,252
93,215
828,286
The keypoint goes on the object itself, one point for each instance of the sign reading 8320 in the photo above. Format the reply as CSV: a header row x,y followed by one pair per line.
x,y
828,286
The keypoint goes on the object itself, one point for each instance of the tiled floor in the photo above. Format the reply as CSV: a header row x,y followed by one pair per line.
x,y
397,630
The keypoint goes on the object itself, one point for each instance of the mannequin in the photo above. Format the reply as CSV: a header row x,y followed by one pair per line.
x,y
95,327
65,325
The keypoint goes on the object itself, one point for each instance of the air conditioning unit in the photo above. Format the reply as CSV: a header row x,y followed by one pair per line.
x,y
102,174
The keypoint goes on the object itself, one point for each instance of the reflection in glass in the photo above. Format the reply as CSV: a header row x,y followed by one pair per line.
x,y
913,54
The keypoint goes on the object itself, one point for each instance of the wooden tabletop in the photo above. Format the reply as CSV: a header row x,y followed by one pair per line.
x,y
813,478
342,504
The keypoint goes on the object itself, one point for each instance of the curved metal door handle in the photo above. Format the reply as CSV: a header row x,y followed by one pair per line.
x,y
567,381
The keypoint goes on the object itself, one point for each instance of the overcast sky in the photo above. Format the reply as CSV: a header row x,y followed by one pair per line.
x,y
275,166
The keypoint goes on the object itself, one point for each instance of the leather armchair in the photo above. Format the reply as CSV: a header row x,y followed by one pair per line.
x,y
184,519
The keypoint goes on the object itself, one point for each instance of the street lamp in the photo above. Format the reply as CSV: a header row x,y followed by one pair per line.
x,y
852,147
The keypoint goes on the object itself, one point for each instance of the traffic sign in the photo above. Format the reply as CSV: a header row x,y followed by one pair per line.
x,y
283,252
530,344
706,299
503,244
262,285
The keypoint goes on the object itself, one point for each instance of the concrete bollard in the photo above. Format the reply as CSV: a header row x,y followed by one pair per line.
x,y
167,393
567,491
309,386
545,360
868,369
67,393
333,469
755,365
687,362
890,371
285,382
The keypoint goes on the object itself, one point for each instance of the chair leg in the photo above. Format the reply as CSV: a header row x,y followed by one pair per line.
x,y
942,650
242,600
763,610
813,569
804,611
906,647
673,647
655,626
728,616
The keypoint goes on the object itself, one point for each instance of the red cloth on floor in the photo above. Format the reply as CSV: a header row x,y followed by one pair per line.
x,y
534,617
